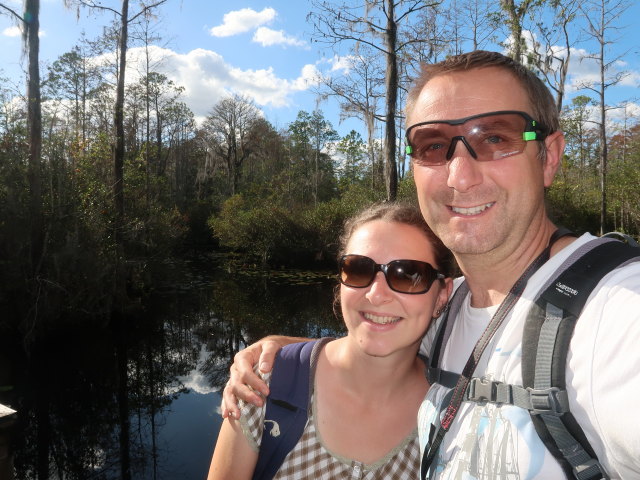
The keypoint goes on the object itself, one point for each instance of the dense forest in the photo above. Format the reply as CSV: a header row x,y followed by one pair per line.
x,y
102,177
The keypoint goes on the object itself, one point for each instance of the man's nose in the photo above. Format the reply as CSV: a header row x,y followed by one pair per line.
x,y
463,169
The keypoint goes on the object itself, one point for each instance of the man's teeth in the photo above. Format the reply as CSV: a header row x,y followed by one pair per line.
x,y
379,319
472,210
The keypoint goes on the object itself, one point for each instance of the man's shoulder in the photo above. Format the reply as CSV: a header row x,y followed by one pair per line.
x,y
625,275
569,255
619,280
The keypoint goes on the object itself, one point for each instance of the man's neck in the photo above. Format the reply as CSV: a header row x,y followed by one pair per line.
x,y
491,276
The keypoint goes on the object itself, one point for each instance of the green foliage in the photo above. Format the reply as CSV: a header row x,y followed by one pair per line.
x,y
407,189
573,203
92,174
258,230
353,166
14,222
275,235
152,226
324,222
311,138
624,178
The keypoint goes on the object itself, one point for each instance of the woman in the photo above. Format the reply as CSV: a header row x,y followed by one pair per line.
x,y
394,280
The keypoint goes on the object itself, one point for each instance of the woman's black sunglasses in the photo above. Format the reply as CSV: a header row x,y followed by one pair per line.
x,y
403,276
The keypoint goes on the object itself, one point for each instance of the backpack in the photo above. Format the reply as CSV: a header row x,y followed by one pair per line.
x,y
547,333
286,410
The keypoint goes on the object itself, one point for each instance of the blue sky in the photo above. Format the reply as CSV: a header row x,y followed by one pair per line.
x,y
261,49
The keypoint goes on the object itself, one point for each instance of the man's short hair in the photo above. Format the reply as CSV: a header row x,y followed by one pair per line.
x,y
540,98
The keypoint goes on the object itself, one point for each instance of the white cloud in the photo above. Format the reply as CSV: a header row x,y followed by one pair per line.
x,y
268,37
12,31
197,382
582,69
240,21
344,64
208,78
626,112
16,31
585,71
309,77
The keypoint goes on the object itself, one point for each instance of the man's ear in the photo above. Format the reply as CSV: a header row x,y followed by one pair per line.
x,y
554,144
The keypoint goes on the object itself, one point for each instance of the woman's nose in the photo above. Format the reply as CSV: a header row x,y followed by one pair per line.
x,y
379,291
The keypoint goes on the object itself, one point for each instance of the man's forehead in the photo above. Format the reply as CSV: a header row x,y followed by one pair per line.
x,y
462,94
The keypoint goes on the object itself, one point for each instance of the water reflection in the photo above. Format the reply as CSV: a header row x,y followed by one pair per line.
x,y
138,398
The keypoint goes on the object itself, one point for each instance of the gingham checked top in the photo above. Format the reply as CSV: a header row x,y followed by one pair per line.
x,y
310,458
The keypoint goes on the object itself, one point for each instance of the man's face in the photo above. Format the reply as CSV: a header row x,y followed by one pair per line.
x,y
476,207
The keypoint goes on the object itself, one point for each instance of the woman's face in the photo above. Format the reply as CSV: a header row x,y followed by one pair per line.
x,y
380,320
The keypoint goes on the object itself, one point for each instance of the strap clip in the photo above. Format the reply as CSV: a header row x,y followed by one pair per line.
x,y
548,401
482,390
590,469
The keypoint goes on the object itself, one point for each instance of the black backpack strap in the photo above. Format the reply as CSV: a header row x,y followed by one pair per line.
x,y
435,374
287,405
623,237
547,334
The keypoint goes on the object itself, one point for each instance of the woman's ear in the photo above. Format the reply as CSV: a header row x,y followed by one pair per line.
x,y
443,296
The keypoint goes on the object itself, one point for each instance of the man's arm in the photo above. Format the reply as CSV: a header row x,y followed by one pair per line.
x,y
243,382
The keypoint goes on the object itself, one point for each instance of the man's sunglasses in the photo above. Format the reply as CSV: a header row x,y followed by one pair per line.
x,y
403,276
487,136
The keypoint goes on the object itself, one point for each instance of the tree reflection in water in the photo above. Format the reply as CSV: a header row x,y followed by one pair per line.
x,y
104,401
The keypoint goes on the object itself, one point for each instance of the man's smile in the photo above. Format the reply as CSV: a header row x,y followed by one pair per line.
x,y
472,210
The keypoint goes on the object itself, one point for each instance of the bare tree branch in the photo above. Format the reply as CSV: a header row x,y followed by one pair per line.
x,y
16,15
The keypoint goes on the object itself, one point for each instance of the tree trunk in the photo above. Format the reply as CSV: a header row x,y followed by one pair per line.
x,y
34,128
516,14
118,151
564,69
603,141
391,86
370,118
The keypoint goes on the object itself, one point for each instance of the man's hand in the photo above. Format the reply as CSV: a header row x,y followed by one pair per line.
x,y
243,382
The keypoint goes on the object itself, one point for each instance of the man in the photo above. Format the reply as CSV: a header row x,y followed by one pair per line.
x,y
481,189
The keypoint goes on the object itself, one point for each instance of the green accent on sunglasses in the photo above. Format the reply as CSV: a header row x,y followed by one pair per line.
x,y
529,136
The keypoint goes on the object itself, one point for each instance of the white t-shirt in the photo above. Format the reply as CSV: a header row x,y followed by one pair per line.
x,y
487,441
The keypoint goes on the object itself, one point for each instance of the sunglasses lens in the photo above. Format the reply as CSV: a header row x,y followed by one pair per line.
x,y
403,276
410,276
491,137
357,271
429,144
497,136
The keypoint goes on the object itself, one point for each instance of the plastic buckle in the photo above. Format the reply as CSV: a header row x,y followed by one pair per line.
x,y
482,390
580,471
548,401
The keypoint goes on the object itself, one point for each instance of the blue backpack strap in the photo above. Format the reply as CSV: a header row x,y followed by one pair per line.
x,y
286,407
547,334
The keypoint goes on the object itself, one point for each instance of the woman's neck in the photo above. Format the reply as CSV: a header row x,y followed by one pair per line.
x,y
372,375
